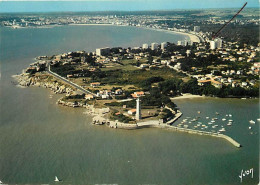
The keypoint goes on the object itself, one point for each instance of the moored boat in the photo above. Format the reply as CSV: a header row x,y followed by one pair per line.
x,y
252,122
229,124
56,179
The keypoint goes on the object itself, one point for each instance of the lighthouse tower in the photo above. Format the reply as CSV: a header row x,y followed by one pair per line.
x,y
138,115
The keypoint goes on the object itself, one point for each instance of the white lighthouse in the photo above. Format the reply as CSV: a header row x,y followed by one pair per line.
x,y
138,115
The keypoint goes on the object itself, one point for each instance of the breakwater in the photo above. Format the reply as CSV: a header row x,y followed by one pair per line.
x,y
191,131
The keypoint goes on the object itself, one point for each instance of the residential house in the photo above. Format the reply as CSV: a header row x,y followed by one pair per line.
x,y
95,84
132,112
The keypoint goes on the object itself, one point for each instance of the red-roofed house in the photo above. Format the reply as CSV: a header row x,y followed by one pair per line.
x,y
137,94
132,111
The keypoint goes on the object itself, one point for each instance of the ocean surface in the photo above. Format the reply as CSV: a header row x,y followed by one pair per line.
x,y
40,140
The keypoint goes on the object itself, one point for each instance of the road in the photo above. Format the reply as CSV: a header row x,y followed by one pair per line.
x,y
48,70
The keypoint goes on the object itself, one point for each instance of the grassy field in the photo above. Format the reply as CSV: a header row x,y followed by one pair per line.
x,y
126,65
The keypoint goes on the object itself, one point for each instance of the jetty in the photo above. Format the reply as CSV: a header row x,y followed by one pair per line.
x,y
192,131
157,124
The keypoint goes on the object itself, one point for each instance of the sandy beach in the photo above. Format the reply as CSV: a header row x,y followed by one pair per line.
x,y
193,38
186,96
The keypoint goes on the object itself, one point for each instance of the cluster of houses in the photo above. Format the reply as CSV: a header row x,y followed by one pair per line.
x,y
36,67
227,51
104,94
219,81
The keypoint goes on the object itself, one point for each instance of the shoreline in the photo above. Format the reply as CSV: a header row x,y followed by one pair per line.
x,y
192,37
188,96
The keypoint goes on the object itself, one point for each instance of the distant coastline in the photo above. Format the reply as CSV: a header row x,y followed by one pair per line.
x,y
193,38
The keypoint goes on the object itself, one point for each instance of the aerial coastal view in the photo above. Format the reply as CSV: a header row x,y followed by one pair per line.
x,y
129,92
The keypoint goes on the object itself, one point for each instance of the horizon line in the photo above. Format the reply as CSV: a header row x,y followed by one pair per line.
x,y
104,11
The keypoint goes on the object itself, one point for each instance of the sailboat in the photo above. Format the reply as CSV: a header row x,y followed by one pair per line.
x,y
56,179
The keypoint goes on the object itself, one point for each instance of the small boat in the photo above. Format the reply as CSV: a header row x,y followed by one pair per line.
x,y
252,122
226,115
250,128
1,182
258,119
207,117
222,130
56,179
213,121
224,119
217,113
199,112
229,124
230,120
230,115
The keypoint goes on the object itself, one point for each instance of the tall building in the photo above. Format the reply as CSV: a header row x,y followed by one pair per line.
x,y
138,114
102,51
218,42
145,46
185,43
197,28
188,52
212,44
163,45
154,46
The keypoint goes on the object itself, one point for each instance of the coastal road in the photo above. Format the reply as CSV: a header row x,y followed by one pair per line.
x,y
48,70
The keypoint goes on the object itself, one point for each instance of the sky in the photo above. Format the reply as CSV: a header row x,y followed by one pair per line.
x,y
7,6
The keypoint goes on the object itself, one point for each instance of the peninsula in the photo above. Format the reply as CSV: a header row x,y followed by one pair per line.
x,y
133,88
